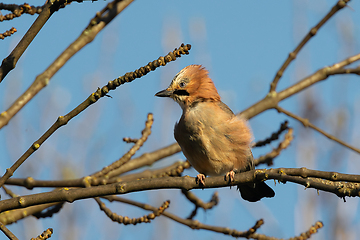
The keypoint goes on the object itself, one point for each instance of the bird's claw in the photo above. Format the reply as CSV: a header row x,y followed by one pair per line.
x,y
230,176
200,179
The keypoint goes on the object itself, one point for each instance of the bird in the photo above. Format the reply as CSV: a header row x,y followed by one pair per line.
x,y
214,140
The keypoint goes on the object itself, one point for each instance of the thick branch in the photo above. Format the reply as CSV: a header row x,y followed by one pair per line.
x,y
341,189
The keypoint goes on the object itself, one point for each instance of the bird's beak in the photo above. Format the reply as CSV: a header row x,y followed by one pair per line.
x,y
164,93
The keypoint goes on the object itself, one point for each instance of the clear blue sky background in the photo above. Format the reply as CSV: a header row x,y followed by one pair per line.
x,y
242,44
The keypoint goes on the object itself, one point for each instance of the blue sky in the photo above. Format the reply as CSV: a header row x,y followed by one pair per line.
x,y
242,44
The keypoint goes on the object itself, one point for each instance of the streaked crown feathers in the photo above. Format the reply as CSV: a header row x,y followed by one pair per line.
x,y
193,83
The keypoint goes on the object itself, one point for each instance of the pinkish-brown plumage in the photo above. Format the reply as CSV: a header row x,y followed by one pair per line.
x,y
211,136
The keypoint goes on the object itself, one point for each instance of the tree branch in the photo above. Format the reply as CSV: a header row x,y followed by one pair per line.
x,y
94,97
45,235
42,80
193,224
10,61
341,189
268,158
306,123
7,232
126,220
339,5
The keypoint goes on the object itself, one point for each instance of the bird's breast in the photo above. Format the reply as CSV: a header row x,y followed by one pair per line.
x,y
208,138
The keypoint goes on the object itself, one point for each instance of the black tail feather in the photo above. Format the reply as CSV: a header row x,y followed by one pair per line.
x,y
255,192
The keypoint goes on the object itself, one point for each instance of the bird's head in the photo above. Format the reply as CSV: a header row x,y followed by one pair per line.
x,y
192,84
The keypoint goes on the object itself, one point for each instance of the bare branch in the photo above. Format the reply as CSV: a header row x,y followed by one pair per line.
x,y
96,25
49,211
8,33
10,61
45,235
306,123
193,224
18,10
106,171
303,236
130,140
63,120
341,189
346,71
9,217
339,5
199,203
147,159
9,192
126,220
268,158
272,99
7,232
273,137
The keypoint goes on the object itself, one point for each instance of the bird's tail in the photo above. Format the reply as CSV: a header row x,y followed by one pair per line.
x,y
255,192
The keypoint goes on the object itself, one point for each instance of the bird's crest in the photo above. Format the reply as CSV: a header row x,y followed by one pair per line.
x,y
199,85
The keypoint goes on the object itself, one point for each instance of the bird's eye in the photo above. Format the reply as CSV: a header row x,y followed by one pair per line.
x,y
182,84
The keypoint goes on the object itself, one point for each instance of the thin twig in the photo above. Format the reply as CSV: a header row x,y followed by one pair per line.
x,y
307,123
145,134
9,217
8,33
18,10
303,236
45,235
273,137
130,140
268,158
126,220
7,232
272,99
9,192
199,203
193,224
339,5
49,211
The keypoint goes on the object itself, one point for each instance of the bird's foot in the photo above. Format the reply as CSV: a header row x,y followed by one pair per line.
x,y
230,176
200,179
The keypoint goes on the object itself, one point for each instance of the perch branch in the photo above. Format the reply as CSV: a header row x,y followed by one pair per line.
x,y
341,189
